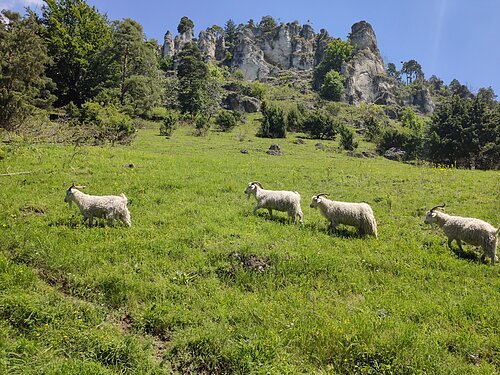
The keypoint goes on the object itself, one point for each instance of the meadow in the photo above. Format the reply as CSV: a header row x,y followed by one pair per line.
x,y
199,284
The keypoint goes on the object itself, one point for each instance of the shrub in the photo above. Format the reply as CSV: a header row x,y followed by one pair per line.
x,y
320,125
293,120
226,121
333,86
405,139
373,129
112,125
169,123
202,124
273,122
347,141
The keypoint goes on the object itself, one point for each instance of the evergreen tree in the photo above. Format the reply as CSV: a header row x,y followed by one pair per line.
x,y
193,75
23,60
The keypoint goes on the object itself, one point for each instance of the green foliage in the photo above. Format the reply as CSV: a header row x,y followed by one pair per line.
x,y
185,24
168,123
410,120
406,139
226,120
257,90
23,59
77,36
111,124
230,32
333,86
412,70
393,72
273,123
267,24
347,139
457,89
320,125
373,128
336,52
294,120
193,75
202,125
466,132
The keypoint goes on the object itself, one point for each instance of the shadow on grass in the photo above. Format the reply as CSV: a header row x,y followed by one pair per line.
x,y
76,222
468,255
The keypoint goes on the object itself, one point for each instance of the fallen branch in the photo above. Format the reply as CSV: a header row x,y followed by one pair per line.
x,y
13,173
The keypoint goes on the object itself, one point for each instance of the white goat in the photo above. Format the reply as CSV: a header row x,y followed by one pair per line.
x,y
469,230
359,215
279,200
110,207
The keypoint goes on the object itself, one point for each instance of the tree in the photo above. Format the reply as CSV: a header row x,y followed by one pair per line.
x,y
76,35
273,122
466,132
267,23
393,72
436,83
459,90
336,52
333,86
231,33
193,74
185,24
412,70
137,67
23,60
487,95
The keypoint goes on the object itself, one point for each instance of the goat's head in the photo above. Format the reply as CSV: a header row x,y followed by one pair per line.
x,y
317,200
252,188
70,193
430,216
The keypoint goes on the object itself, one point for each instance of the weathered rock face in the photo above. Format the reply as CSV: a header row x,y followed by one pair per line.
x,y
249,58
367,80
182,39
168,49
258,54
422,100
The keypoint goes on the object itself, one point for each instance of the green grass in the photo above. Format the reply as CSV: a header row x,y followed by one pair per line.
x,y
181,291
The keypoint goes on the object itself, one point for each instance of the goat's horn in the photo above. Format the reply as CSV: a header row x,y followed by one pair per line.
x,y
439,206
322,195
258,184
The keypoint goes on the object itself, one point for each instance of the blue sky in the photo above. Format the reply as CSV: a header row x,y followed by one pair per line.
x,y
449,38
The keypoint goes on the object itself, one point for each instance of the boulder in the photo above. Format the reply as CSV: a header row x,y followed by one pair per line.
x,y
242,103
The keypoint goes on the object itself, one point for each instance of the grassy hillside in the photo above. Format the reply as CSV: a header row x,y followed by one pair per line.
x,y
200,285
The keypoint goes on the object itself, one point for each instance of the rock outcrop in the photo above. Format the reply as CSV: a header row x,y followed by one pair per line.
x,y
367,80
261,54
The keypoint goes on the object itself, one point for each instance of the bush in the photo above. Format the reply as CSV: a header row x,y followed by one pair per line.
x,y
273,122
226,121
347,141
202,124
405,139
320,125
333,86
169,123
111,124
373,129
293,120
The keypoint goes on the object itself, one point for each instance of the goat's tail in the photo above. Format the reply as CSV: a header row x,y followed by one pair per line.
x,y
124,197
